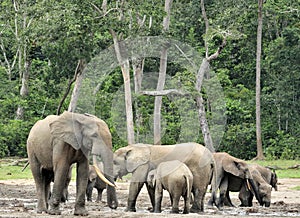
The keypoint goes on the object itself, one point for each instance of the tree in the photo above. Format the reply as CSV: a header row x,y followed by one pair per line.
x,y
260,154
161,77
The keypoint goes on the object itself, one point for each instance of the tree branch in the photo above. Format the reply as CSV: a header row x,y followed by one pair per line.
x,y
162,92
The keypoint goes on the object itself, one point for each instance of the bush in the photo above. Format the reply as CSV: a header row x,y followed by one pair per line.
x,y
283,146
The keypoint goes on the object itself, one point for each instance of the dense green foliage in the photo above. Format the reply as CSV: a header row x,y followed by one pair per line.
x,y
54,35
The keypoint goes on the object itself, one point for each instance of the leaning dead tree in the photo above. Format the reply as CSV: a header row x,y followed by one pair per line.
x,y
203,70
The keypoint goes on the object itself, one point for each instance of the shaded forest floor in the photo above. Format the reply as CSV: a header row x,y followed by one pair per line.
x,y
18,199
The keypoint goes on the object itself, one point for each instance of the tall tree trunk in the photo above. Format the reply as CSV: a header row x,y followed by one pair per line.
x,y
204,69
161,78
138,68
125,67
260,154
79,77
24,91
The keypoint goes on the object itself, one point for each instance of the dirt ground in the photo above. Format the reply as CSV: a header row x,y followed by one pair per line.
x,y
18,199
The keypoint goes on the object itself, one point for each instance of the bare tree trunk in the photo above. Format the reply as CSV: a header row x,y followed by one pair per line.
x,y
138,68
79,77
24,91
161,78
204,69
260,154
125,67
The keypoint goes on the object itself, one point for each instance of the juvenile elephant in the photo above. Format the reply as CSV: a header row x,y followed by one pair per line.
x,y
175,177
55,143
264,179
139,159
231,175
94,182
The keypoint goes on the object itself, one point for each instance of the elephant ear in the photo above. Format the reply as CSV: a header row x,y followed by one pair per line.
x,y
136,157
235,167
67,129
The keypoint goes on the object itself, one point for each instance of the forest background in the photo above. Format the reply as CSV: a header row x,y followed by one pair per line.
x,y
44,42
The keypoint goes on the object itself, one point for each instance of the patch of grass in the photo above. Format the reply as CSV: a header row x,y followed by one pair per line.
x,y
297,188
281,167
14,172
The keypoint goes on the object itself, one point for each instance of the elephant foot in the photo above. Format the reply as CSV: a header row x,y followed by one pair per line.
x,y
175,210
186,211
195,210
80,212
54,212
113,205
42,210
157,211
54,209
129,209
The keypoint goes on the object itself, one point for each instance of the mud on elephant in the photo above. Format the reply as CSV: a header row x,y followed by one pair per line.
x,y
175,177
232,174
55,143
139,159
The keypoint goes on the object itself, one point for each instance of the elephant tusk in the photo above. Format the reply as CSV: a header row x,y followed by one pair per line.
x,y
101,176
248,185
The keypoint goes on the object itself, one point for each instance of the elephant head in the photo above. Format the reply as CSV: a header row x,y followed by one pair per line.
x,y
129,158
264,188
92,136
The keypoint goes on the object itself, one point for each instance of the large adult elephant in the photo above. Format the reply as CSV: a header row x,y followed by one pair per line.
x,y
231,175
139,159
55,143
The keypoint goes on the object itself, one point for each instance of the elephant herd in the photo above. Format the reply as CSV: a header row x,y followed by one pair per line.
x,y
57,142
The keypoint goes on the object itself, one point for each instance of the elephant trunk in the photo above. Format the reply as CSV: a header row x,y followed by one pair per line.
x,y
99,173
253,188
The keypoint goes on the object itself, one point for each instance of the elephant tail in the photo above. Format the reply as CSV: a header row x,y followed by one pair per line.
x,y
214,185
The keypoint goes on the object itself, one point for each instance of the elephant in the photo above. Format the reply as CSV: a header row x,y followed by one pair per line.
x,y
139,159
264,179
58,141
94,182
175,177
231,175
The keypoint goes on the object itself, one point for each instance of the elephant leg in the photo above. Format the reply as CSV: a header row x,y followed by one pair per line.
x,y
223,190
40,186
60,176
151,192
158,196
175,207
99,197
187,201
81,184
227,200
89,191
137,181
199,194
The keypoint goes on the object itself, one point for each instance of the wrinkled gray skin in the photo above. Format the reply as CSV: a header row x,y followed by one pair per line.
x,y
94,182
231,175
54,144
265,179
177,179
139,159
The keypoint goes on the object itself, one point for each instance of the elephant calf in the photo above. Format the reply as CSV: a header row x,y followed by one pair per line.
x,y
177,179
94,182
